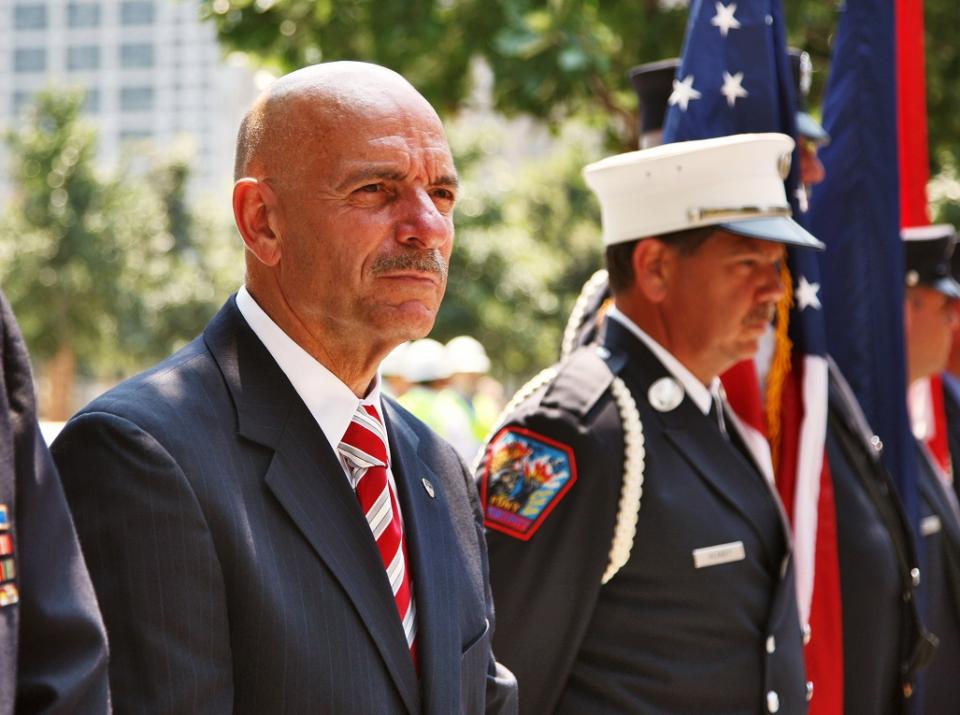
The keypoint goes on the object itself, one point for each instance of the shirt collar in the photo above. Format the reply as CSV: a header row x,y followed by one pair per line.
x,y
328,399
701,395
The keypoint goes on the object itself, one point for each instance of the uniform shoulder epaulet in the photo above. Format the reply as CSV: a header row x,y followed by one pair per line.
x,y
580,381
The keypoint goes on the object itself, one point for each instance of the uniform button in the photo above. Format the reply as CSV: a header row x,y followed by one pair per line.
x,y
773,701
807,633
876,443
809,690
915,576
771,644
907,690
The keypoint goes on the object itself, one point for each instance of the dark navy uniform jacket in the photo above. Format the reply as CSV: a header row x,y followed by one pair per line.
x,y
940,588
663,635
883,640
53,648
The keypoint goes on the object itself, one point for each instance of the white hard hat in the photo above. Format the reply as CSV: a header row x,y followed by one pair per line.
x,y
393,365
426,360
733,182
467,355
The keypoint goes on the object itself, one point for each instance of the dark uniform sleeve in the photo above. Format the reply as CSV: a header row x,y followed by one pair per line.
x,y
546,575
153,564
62,664
53,638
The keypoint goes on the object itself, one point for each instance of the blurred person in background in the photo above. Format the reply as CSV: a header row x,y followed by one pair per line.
x,y
951,387
930,321
471,380
431,397
393,371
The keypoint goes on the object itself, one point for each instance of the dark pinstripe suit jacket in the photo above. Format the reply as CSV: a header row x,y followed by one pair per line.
x,y
235,569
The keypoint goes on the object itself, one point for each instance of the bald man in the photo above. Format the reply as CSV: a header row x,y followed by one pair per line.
x,y
267,533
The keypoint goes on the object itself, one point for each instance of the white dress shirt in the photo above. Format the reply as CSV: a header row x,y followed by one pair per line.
x,y
328,399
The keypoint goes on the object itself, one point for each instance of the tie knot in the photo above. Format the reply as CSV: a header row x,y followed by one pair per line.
x,y
364,443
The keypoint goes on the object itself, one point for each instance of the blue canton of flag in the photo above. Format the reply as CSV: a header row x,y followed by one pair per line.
x,y
734,75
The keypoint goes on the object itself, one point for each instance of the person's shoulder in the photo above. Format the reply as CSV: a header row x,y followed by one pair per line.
x,y
572,391
173,385
564,419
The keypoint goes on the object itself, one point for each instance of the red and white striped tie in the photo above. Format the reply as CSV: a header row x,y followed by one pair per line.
x,y
364,451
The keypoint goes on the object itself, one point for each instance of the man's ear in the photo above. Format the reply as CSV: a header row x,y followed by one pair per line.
x,y
653,263
255,210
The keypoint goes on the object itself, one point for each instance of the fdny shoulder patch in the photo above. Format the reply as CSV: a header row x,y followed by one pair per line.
x,y
525,475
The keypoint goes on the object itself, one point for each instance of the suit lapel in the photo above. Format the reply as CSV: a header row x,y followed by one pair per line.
x,y
429,537
721,465
308,481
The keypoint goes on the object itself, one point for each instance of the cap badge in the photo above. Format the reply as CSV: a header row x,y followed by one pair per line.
x,y
783,165
665,394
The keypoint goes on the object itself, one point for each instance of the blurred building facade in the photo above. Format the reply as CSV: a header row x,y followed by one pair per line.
x,y
153,73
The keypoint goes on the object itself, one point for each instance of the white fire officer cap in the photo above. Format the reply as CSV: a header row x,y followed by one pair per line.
x,y
733,182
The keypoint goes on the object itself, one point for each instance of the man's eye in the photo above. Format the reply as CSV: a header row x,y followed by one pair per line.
x,y
446,194
371,188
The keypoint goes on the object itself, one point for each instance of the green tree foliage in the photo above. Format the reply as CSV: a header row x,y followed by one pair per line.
x,y
526,241
552,59
104,273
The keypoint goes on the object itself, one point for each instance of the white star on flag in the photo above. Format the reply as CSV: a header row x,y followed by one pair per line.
x,y
683,92
806,294
724,19
732,87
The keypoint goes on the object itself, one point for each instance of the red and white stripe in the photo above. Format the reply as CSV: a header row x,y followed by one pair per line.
x,y
364,451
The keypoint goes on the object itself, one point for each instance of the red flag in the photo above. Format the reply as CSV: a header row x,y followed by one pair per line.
x,y
914,158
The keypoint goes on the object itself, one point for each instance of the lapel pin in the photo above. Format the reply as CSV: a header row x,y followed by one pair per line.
x,y
665,394
428,487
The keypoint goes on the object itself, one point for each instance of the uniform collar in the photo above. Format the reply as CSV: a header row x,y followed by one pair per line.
x,y
702,395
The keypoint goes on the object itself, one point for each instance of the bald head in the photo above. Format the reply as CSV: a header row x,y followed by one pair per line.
x,y
306,104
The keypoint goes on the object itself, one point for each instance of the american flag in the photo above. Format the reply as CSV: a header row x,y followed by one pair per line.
x,y
857,212
735,77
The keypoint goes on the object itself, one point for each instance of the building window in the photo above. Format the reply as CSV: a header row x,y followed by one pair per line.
x,y
136,12
19,100
91,102
83,14
134,135
136,99
29,59
84,57
136,55
30,16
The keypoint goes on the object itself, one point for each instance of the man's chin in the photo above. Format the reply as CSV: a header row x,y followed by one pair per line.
x,y
410,320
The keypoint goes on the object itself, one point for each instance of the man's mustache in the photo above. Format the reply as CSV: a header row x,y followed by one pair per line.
x,y
429,261
764,312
